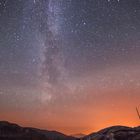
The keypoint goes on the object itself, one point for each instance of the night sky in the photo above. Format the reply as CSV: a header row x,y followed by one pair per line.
x,y
70,65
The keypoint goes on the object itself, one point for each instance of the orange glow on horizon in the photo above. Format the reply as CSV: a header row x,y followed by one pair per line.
x,y
87,123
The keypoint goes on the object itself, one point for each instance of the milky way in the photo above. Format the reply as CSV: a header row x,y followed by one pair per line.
x,y
72,63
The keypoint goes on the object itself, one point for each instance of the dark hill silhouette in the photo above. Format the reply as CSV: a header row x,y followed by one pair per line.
x,y
10,131
115,133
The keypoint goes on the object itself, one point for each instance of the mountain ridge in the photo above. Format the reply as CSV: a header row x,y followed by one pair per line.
x,y
12,131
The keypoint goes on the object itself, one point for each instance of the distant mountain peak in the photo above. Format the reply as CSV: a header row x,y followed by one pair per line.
x,y
79,135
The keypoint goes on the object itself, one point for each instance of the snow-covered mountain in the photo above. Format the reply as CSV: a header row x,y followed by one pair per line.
x,y
115,133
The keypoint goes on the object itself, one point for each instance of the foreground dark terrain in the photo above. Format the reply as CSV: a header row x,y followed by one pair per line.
x,y
9,131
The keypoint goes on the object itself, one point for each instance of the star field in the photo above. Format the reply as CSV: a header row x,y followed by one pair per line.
x,y
73,63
